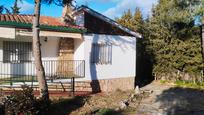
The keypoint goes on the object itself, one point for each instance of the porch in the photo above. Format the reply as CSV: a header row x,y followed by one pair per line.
x,y
62,58
15,74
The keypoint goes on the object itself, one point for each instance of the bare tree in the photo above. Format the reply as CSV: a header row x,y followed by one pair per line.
x,y
37,52
36,45
202,40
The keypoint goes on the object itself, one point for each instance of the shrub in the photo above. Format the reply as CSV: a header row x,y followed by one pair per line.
x,y
106,111
24,102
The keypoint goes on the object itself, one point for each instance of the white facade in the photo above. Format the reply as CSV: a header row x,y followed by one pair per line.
x,y
49,48
49,52
123,57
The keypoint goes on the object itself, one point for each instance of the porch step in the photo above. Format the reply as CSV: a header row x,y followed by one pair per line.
x,y
52,87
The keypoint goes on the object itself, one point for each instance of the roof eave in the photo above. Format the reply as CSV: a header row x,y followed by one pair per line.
x,y
42,27
108,20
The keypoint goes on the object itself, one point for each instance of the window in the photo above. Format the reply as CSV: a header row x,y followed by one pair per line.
x,y
101,53
16,52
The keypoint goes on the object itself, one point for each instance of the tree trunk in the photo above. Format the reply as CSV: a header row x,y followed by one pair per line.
x,y
37,53
202,43
202,39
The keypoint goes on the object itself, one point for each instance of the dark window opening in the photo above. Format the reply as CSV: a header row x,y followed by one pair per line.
x,y
101,53
16,52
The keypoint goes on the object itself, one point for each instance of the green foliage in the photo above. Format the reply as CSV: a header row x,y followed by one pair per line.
x,y
64,106
58,2
24,102
163,81
174,39
171,41
106,111
187,84
15,8
200,10
133,22
138,21
1,9
126,20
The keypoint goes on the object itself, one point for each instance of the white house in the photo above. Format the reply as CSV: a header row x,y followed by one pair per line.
x,y
97,51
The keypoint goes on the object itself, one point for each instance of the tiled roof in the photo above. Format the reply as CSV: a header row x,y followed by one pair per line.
x,y
47,21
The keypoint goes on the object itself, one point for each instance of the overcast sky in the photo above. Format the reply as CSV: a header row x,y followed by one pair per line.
x,y
110,8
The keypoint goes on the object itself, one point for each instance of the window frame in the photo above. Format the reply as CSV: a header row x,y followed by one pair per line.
x,y
17,51
101,53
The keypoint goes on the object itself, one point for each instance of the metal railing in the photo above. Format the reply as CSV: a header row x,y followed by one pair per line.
x,y
54,69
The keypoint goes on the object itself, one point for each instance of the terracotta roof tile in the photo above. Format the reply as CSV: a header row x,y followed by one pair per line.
x,y
7,18
44,20
11,17
2,17
16,19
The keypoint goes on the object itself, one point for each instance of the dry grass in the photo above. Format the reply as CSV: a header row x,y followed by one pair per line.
x,y
87,104
97,101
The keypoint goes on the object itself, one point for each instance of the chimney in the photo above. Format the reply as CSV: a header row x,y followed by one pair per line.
x,y
67,14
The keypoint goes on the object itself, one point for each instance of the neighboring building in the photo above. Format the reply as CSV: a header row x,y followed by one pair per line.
x,y
97,50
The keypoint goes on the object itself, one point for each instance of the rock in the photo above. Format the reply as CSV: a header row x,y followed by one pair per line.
x,y
117,109
148,91
95,110
124,104
137,90
132,97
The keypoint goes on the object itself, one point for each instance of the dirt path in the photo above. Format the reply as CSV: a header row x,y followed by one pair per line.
x,y
167,99
101,100
154,99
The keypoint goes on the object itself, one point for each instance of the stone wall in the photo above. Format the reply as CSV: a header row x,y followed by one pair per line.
x,y
66,48
106,85
66,55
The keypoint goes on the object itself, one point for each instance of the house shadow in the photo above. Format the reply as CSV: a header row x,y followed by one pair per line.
x,y
95,85
113,41
144,65
181,101
66,106
94,57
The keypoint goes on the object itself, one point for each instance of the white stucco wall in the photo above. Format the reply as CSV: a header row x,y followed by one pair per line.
x,y
123,57
79,49
49,49
49,52
18,38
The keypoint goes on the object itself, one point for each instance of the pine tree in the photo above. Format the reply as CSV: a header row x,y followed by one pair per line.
x,y
133,22
1,9
15,9
174,39
138,20
126,20
44,94
171,40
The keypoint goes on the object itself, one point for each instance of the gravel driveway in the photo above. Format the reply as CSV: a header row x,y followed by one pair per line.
x,y
167,99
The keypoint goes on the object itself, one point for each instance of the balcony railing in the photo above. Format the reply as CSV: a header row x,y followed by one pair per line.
x,y
54,70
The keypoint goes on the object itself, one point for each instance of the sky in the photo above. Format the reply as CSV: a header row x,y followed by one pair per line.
x,y
110,8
